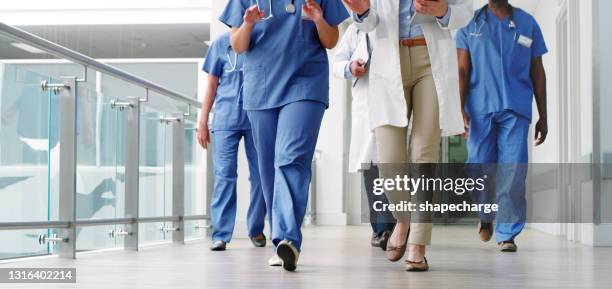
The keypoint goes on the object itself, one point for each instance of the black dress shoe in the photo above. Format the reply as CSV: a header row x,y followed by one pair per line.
x,y
384,239
259,240
218,246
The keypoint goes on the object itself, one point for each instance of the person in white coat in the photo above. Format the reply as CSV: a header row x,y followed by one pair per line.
x,y
351,63
413,76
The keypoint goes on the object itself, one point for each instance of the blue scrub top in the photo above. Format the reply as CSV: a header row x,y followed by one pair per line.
x,y
501,62
222,62
285,62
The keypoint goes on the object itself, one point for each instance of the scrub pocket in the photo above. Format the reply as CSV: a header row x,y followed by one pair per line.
x,y
254,87
309,32
521,59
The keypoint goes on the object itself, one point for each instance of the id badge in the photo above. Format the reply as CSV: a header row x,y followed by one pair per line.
x,y
525,41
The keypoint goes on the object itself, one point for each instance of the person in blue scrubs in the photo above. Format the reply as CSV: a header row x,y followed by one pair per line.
x,y
286,88
500,64
230,124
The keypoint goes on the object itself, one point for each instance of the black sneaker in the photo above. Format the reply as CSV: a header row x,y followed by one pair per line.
x,y
218,246
289,254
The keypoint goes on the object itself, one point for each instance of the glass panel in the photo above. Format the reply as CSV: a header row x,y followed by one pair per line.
x,y
29,119
195,229
97,237
152,233
155,164
195,181
23,243
100,170
29,130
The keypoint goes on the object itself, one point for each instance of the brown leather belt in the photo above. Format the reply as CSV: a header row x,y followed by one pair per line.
x,y
413,42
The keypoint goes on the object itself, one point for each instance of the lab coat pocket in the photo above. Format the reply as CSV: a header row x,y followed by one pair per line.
x,y
254,86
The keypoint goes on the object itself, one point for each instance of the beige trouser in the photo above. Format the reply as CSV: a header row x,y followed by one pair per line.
x,y
392,142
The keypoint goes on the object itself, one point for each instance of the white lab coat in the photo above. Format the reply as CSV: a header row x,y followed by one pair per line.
x,y
353,46
387,101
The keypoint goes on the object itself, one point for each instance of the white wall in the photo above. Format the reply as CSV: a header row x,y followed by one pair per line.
x,y
581,89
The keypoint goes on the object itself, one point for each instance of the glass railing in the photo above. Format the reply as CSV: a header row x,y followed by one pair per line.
x,y
92,157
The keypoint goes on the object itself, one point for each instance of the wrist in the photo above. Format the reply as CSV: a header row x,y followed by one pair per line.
x,y
362,12
444,13
319,20
204,119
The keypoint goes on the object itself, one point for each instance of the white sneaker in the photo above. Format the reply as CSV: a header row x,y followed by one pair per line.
x,y
275,261
289,254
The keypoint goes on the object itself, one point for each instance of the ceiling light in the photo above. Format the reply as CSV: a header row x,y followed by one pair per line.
x,y
27,48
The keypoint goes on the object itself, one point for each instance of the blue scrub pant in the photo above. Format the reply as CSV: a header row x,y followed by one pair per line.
x,y
285,139
223,204
380,221
498,141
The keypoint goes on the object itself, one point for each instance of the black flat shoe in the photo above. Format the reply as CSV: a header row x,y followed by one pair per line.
x,y
422,266
218,246
259,241
384,239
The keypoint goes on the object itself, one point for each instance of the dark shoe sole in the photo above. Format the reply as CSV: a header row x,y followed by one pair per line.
x,y
218,248
384,239
259,243
286,253
509,249
413,268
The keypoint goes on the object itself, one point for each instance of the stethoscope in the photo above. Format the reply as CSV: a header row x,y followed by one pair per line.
x,y
483,11
232,65
290,8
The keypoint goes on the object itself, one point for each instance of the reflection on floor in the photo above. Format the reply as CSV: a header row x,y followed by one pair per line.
x,y
340,257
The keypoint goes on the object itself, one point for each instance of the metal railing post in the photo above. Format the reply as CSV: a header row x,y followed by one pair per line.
x,y
178,178
132,168
67,167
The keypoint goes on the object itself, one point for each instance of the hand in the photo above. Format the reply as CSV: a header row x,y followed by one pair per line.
x,y
466,124
253,15
358,68
358,6
541,131
203,134
312,10
437,8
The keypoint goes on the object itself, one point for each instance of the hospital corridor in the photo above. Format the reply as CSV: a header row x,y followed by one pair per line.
x,y
246,144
